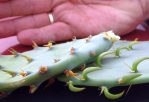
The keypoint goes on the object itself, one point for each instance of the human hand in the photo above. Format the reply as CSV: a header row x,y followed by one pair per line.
x,y
78,18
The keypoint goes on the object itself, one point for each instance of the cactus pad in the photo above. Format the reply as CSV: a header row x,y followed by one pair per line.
x,y
33,67
126,63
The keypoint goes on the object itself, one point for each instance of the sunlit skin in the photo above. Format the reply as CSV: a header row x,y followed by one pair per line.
x,y
79,18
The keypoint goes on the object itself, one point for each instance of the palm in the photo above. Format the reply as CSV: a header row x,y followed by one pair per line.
x,y
94,18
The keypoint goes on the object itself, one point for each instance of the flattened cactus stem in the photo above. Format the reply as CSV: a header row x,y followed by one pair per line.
x,y
110,95
73,88
88,70
117,51
128,78
130,46
135,64
40,74
100,57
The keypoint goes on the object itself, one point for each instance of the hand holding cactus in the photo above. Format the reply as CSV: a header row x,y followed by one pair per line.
x,y
73,19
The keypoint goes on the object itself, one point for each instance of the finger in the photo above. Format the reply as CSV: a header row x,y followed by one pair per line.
x,y
4,0
13,26
55,32
24,7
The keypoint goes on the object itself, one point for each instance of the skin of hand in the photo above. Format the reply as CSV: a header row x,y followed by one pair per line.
x,y
79,18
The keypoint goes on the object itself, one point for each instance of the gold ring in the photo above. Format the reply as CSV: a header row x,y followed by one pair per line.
x,y
51,18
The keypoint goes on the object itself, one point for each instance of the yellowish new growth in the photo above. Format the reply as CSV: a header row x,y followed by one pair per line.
x,y
23,73
49,45
111,36
70,73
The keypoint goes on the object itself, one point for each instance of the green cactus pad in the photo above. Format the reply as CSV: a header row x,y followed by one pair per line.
x,y
130,67
33,67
